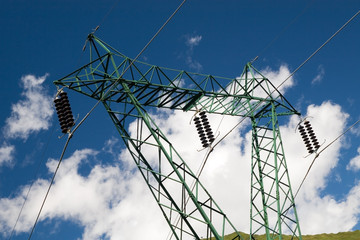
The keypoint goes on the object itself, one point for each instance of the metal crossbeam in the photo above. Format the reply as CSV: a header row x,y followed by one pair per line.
x,y
175,89
128,88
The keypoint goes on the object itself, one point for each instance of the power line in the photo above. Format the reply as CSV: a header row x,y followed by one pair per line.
x,y
31,185
107,14
318,154
50,185
292,74
282,31
131,63
258,105
93,108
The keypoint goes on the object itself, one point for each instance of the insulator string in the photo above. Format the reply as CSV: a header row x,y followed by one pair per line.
x,y
317,155
204,130
71,133
308,136
286,79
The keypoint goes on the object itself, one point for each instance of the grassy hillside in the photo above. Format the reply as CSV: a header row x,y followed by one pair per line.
x,y
338,236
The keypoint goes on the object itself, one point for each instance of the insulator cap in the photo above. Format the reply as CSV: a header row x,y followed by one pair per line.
x,y
200,131
205,122
210,137
207,127
202,134
303,133
203,138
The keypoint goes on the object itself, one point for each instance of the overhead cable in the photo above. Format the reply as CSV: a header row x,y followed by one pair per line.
x,y
282,31
292,74
50,185
93,108
31,185
210,150
318,154
127,68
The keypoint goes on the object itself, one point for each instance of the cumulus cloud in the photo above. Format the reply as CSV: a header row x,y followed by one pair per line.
x,y
106,202
6,154
277,77
114,202
32,113
354,163
321,73
192,42
319,212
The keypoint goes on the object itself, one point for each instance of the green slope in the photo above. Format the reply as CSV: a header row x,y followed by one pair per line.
x,y
333,236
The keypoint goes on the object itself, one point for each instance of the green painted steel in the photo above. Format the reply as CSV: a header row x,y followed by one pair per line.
x,y
127,89
272,202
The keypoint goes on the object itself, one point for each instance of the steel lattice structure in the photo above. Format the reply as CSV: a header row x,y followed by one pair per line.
x,y
127,89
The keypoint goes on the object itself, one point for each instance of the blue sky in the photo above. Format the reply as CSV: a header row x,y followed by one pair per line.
x,y
42,41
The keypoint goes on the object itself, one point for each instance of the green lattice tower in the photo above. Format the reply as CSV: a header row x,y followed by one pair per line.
x,y
187,206
272,201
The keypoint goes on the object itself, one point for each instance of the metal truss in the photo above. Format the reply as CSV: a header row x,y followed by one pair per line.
x,y
128,89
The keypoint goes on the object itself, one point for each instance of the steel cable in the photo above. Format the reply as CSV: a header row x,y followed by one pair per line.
x,y
93,108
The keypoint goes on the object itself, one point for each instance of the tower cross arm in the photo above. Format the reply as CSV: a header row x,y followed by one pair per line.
x,y
105,76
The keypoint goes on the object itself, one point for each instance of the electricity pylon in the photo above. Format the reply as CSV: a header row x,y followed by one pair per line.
x,y
127,89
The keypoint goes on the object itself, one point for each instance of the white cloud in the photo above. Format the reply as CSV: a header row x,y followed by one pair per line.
x,y
277,77
115,202
110,146
31,114
107,202
321,73
191,42
6,154
354,163
319,212
227,171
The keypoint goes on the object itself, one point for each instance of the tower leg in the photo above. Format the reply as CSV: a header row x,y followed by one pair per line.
x,y
273,210
188,208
